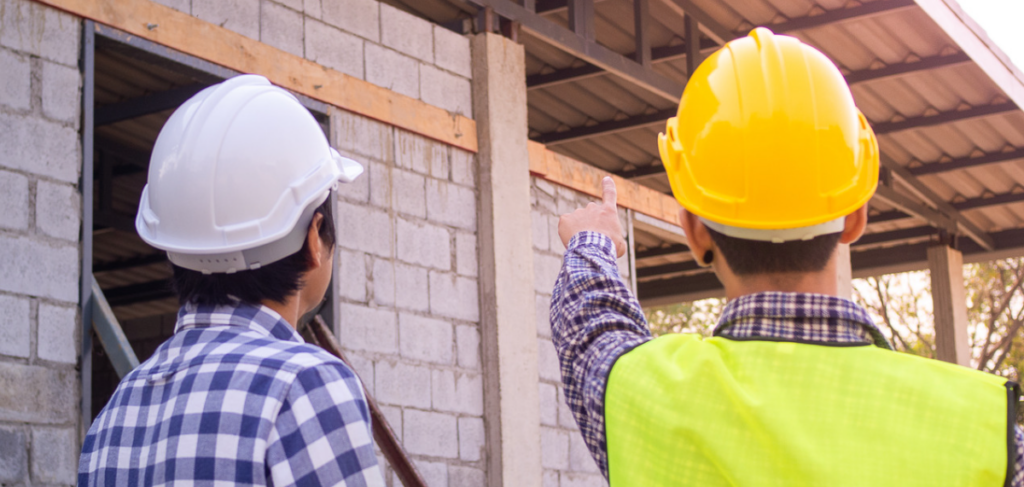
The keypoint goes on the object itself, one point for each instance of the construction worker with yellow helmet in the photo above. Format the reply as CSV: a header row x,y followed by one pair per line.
x,y
774,166
238,195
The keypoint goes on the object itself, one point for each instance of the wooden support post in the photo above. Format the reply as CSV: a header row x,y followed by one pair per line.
x,y
949,304
641,31
507,299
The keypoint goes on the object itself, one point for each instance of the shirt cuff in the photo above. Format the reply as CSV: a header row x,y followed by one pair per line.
x,y
592,239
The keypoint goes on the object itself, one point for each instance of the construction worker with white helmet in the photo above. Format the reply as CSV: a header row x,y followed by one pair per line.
x,y
238,195
774,166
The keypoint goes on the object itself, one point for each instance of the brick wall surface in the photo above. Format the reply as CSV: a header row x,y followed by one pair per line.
x,y
40,220
564,456
407,279
366,39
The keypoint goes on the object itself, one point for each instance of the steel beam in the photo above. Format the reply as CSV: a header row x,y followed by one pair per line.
x,y
691,32
1009,243
962,224
944,117
708,25
895,235
581,19
658,54
585,49
641,32
982,201
130,263
145,105
88,67
660,251
899,69
111,336
673,268
909,205
965,162
839,15
604,128
641,172
139,293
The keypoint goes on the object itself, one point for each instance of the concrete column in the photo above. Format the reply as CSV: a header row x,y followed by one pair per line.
x,y
507,308
845,272
950,304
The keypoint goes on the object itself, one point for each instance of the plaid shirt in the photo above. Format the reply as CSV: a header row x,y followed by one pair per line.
x,y
234,396
595,319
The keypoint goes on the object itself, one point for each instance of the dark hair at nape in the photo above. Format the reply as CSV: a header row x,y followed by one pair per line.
x,y
274,282
754,257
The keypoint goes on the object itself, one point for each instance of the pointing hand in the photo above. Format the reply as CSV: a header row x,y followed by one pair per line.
x,y
602,218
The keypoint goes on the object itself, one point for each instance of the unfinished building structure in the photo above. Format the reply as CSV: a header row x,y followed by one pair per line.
x,y
479,122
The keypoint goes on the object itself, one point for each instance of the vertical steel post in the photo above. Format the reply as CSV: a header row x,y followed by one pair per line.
x,y
631,250
641,32
88,66
692,34
581,18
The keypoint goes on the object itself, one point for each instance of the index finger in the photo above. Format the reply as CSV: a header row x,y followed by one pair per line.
x,y
610,193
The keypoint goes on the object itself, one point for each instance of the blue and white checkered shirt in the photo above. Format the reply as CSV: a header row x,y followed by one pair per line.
x,y
595,319
233,397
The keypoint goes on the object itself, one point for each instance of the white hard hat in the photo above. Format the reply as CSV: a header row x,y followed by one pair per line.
x,y
235,176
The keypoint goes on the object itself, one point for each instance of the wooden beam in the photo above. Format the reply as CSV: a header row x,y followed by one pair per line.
x,y
221,46
584,178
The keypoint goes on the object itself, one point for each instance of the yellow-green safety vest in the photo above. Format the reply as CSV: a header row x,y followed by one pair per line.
x,y
682,410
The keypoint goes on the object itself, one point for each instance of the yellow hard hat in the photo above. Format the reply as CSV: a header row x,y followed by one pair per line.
x,y
768,143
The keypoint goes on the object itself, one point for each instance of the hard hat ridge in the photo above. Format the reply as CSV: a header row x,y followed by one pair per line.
x,y
235,176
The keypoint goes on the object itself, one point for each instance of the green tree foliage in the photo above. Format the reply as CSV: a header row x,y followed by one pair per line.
x,y
902,306
696,317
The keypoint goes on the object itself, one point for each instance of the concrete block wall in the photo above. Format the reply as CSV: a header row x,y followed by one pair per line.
x,y
40,219
366,39
407,279
564,456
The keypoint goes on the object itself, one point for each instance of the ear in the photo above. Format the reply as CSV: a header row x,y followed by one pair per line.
x,y
856,222
314,243
697,236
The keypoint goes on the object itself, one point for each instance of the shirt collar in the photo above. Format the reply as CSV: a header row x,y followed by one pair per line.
x,y
802,317
255,317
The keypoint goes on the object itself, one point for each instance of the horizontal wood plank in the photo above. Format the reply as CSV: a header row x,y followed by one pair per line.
x,y
185,33
584,178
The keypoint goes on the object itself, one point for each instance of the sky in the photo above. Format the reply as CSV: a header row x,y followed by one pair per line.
x,y
1002,20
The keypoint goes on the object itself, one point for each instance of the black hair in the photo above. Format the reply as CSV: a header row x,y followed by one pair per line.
x,y
275,281
754,257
